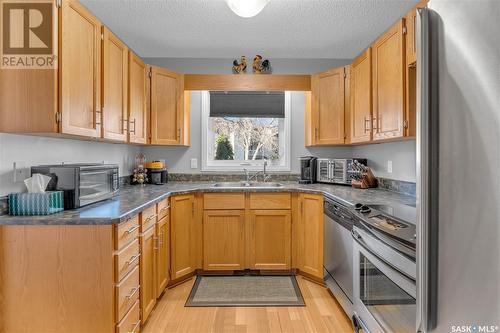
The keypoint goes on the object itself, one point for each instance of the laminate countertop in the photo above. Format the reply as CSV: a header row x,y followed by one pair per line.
x,y
133,199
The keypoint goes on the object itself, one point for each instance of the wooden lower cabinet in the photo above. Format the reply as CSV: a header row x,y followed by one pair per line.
x,y
148,272
163,254
182,227
310,234
224,240
270,239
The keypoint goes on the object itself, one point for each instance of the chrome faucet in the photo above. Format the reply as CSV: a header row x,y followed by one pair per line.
x,y
265,176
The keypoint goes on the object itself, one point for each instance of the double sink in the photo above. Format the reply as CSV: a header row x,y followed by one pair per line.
x,y
247,185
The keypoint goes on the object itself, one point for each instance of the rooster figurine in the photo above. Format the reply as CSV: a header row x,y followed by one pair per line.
x,y
260,66
240,67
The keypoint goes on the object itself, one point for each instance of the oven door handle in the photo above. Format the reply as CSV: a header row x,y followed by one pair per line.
x,y
358,238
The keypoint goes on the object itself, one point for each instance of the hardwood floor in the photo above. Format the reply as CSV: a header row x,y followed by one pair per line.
x,y
321,314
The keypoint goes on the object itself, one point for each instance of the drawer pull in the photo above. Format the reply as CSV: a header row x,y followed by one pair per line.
x,y
136,326
164,209
132,259
134,291
149,218
131,230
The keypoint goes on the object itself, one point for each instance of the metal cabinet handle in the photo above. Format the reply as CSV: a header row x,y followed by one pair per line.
x,y
125,125
369,127
157,244
132,259
136,326
98,119
149,218
131,230
132,130
164,209
133,292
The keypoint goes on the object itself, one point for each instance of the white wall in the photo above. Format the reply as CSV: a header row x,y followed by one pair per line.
x,y
402,154
31,150
178,158
469,162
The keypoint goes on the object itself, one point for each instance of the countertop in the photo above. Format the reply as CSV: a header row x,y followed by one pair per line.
x,y
133,199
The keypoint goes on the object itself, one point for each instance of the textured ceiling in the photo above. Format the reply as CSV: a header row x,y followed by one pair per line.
x,y
284,29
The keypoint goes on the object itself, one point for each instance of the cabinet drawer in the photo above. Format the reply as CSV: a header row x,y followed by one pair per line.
x,y
148,218
126,260
270,201
163,207
126,231
224,201
131,323
127,292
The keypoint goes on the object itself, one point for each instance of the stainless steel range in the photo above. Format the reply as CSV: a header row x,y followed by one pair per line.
x,y
384,268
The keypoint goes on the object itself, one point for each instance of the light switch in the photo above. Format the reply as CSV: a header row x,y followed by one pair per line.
x,y
194,163
20,171
389,166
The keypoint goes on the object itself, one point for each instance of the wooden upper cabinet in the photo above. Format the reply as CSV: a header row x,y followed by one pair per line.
x,y
224,240
182,228
310,234
388,54
115,79
137,99
80,72
411,47
328,107
167,107
361,98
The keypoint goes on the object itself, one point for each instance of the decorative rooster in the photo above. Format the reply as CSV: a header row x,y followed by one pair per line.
x,y
260,66
240,67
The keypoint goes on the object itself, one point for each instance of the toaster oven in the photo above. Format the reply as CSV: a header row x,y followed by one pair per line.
x,y
82,184
336,171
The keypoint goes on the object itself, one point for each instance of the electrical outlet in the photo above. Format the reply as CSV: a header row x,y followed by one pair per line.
x,y
194,163
389,166
20,171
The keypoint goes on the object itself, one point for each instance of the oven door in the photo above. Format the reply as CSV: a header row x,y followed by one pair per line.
x,y
384,298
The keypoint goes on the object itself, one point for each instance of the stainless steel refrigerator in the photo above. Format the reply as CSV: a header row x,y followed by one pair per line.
x,y
458,163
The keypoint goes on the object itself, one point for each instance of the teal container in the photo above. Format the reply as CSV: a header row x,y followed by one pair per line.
x,y
23,204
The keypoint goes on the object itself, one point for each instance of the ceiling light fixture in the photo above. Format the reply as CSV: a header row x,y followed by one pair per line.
x,y
247,8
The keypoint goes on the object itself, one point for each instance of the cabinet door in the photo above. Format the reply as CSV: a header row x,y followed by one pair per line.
x,y
182,220
270,239
137,110
167,106
361,97
388,84
328,107
410,23
224,240
310,234
163,255
80,71
148,272
115,57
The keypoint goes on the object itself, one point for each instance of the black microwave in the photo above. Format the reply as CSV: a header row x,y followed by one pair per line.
x,y
82,184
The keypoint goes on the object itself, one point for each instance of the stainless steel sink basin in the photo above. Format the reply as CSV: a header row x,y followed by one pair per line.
x,y
247,185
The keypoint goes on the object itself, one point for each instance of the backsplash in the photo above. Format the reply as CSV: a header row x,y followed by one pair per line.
x,y
398,186
210,177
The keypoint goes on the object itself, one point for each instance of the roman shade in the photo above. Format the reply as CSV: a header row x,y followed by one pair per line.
x,y
249,104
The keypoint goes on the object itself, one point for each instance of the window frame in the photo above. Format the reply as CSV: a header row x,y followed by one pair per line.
x,y
214,165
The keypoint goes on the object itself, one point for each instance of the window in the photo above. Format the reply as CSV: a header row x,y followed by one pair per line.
x,y
242,129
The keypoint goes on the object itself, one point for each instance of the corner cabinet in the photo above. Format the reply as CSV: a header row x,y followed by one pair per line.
x,y
310,234
361,98
388,54
137,99
327,107
169,108
183,212
115,81
80,72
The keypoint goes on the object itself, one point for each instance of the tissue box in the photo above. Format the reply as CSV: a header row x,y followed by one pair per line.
x,y
36,203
